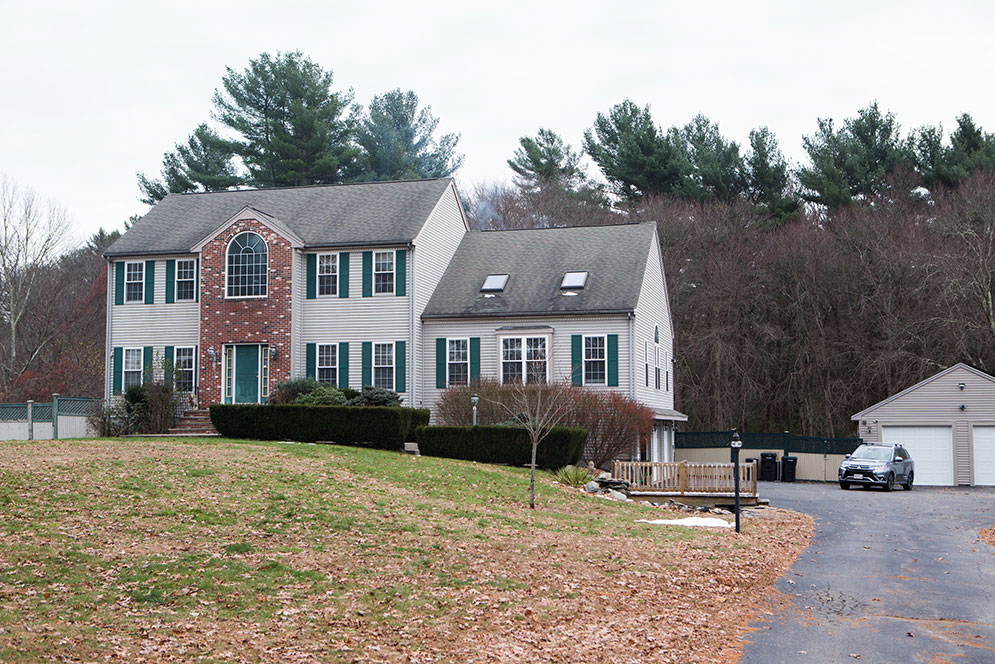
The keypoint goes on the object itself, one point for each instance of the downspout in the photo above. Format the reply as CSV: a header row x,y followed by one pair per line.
x,y
632,355
108,362
413,383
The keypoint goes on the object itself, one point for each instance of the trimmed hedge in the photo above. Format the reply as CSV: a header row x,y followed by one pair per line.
x,y
383,427
419,418
502,444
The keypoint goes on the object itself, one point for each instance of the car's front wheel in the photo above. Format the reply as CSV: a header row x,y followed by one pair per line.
x,y
908,482
844,485
890,484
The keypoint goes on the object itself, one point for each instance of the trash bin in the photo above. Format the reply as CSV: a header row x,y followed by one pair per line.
x,y
768,467
788,466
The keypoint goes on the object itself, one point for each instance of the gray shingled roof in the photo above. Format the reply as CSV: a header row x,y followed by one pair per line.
x,y
330,215
536,260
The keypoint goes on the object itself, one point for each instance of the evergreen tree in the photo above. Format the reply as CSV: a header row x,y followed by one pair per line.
x,y
205,163
851,162
292,129
768,179
632,153
398,142
546,162
712,165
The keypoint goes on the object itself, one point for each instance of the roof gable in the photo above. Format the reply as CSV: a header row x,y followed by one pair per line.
x,y
960,366
374,213
256,215
536,261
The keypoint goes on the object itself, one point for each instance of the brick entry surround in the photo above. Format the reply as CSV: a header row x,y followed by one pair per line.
x,y
263,320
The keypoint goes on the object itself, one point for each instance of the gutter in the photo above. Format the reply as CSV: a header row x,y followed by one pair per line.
x,y
632,355
413,387
529,314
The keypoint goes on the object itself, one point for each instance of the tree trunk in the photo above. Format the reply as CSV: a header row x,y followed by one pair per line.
x,y
532,477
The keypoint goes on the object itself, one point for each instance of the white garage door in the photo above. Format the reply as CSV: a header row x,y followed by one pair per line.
x,y
932,448
984,455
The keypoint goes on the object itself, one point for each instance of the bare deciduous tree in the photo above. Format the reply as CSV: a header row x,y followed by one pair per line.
x,y
31,236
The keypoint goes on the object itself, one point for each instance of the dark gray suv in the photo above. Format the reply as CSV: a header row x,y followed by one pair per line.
x,y
880,464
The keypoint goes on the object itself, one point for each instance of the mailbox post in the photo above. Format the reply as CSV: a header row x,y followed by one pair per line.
x,y
736,444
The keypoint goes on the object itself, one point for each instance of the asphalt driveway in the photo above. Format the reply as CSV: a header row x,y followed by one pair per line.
x,y
889,577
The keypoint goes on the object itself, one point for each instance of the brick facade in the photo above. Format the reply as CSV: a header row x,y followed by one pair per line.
x,y
244,321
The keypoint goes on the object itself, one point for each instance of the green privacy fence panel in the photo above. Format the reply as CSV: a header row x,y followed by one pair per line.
x,y
41,412
77,406
788,442
13,412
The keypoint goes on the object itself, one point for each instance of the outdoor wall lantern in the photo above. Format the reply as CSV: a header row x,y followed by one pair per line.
x,y
272,353
960,385
474,400
212,355
963,407
735,444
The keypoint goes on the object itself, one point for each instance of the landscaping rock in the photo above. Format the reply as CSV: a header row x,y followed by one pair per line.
x,y
613,484
617,495
591,487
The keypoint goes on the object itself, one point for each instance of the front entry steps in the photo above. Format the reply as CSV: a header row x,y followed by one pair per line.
x,y
194,423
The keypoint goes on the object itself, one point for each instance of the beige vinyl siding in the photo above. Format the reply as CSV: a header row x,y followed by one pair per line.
x,y
488,331
434,247
158,325
936,402
653,309
353,319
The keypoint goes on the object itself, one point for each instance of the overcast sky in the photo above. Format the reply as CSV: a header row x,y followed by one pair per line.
x,y
94,91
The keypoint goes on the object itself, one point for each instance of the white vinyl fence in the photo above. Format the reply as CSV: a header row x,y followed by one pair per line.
x,y
64,417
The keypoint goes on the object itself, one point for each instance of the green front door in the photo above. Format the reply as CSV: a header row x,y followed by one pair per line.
x,y
246,374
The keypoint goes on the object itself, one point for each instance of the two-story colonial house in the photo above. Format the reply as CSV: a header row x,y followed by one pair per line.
x,y
382,284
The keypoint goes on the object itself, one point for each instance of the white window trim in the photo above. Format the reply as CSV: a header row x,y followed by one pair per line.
x,y
657,382
193,369
523,336
176,281
318,366
124,367
393,363
317,273
246,297
448,362
584,360
393,272
141,282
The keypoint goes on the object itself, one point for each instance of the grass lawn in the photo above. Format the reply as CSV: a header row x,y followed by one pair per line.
x,y
221,551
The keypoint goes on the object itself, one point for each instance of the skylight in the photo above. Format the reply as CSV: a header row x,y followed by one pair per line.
x,y
494,283
573,280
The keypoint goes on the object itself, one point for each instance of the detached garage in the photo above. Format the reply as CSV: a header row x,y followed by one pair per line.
x,y
947,423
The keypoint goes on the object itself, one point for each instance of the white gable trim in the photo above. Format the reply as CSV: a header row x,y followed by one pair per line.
x,y
959,365
256,215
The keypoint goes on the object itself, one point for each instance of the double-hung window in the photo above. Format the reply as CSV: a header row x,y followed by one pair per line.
x,y
383,366
183,370
328,364
646,361
132,367
595,361
524,359
383,272
134,282
657,364
328,274
186,286
458,370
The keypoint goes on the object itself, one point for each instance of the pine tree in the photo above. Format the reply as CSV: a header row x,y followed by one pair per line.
x,y
768,179
546,162
205,163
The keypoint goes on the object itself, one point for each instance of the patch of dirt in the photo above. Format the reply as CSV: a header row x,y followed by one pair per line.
x,y
987,536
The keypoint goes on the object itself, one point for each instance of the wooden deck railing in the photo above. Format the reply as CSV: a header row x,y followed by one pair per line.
x,y
685,478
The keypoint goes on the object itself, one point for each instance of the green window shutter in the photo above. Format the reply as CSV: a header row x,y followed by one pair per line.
x,y
367,274
474,358
400,366
118,366
119,282
170,281
311,363
440,364
401,272
367,365
148,371
149,282
312,276
344,274
196,280
613,360
167,355
344,364
577,359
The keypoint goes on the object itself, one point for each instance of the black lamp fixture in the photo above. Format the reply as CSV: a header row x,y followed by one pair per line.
x,y
272,353
474,400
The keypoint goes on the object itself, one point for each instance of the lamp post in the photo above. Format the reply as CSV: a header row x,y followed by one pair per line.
x,y
736,444
474,399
